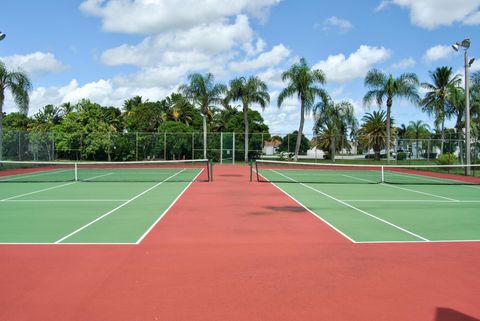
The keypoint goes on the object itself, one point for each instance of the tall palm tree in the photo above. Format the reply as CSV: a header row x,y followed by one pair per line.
x,y
384,88
303,82
332,123
435,101
249,91
373,132
19,85
204,93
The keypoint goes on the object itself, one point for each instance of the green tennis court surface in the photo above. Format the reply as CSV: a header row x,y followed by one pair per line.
x,y
104,205
418,208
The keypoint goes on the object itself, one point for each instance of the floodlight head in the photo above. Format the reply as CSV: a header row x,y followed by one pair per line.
x,y
465,43
455,47
470,63
2,35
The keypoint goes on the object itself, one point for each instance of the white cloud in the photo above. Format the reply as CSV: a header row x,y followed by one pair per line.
x,y
334,22
267,59
431,14
35,63
404,63
437,52
192,46
339,68
154,16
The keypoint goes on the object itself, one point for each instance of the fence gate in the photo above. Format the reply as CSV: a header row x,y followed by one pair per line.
x,y
227,148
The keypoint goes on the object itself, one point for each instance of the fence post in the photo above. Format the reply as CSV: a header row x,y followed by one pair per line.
x,y
19,146
165,145
221,147
193,145
136,146
233,150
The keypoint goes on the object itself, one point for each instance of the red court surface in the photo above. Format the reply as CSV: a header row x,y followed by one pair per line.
x,y
235,250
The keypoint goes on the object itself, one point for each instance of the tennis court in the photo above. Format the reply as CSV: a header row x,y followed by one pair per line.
x,y
383,204
51,203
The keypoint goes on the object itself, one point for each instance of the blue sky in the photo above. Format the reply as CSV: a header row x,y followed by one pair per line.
x,y
110,50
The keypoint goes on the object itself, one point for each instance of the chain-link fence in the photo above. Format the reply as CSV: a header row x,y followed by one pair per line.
x,y
221,147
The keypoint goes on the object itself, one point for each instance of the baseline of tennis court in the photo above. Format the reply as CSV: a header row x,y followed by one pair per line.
x,y
113,211
366,213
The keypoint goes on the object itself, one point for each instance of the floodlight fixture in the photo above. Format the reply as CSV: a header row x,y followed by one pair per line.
x,y
470,63
465,43
455,47
2,35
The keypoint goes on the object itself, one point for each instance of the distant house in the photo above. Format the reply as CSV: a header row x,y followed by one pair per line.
x,y
270,147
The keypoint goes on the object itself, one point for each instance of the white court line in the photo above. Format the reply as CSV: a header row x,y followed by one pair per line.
x,y
434,179
405,189
168,208
70,200
15,177
116,208
357,209
414,201
50,188
310,211
419,192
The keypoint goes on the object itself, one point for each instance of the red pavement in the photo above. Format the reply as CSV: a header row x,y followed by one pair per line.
x,y
234,250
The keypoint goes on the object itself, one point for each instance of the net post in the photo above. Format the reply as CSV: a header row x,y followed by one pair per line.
x,y
76,172
210,164
256,170
383,174
251,170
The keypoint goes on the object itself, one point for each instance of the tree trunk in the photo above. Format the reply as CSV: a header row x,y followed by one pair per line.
x,y
204,136
300,129
245,121
460,137
332,149
389,109
442,139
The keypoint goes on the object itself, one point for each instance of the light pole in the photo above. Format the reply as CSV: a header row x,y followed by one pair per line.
x,y
2,35
465,44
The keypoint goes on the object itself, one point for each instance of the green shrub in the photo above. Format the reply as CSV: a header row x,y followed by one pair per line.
x,y
401,156
446,159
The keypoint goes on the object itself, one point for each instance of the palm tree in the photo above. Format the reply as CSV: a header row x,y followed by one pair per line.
x,y
19,85
204,93
373,132
332,123
179,109
248,91
418,129
386,88
436,98
303,82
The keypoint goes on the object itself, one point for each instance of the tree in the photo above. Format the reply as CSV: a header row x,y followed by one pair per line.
x,y
19,85
383,88
203,92
180,109
436,98
178,139
248,91
303,82
332,123
288,141
417,130
373,132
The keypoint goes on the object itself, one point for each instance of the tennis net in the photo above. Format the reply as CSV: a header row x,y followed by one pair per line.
x,y
143,171
304,172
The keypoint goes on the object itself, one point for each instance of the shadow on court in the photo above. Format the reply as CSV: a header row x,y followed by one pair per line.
x,y
446,314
